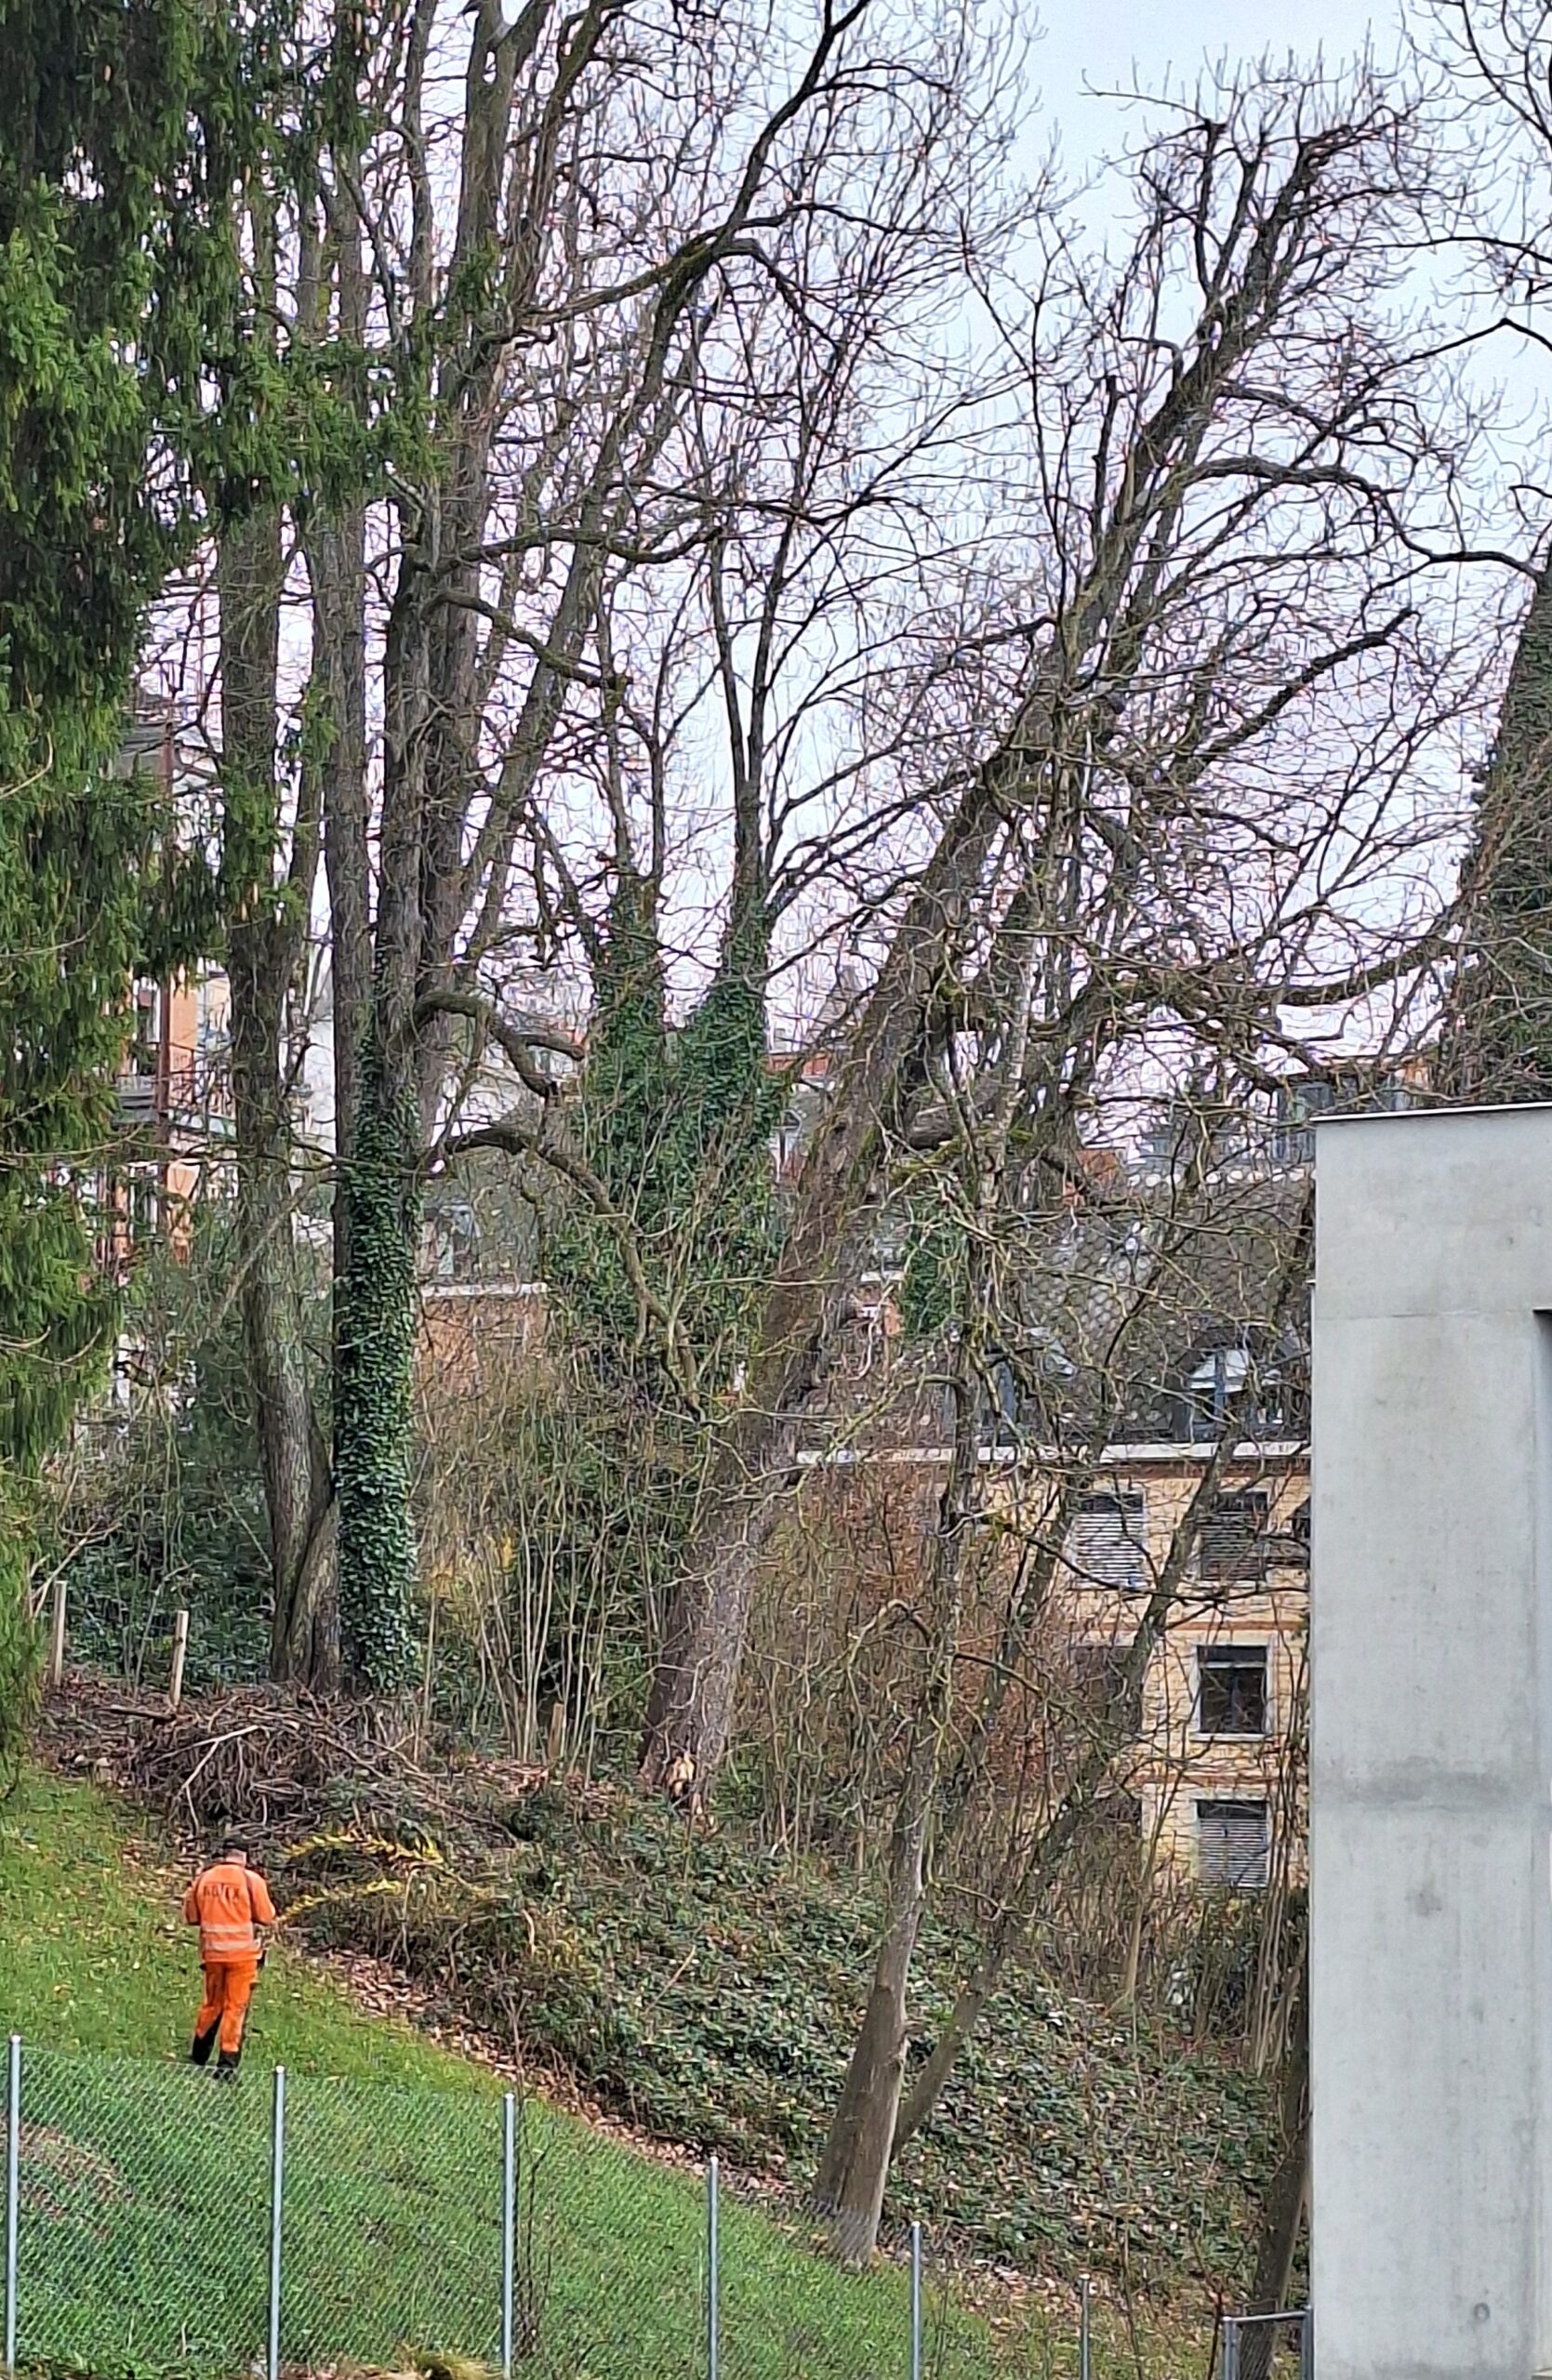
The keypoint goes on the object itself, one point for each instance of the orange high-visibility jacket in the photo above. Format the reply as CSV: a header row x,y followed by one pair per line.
x,y
226,1903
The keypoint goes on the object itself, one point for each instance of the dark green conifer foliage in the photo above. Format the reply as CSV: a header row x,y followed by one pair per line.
x,y
1497,1039
110,282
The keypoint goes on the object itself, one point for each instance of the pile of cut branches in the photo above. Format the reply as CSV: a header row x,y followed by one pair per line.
x,y
264,1762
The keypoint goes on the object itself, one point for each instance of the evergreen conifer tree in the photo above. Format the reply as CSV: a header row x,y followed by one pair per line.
x,y
111,282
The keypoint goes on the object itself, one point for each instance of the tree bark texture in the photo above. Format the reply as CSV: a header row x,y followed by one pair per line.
x,y
1287,2193
263,950
854,2171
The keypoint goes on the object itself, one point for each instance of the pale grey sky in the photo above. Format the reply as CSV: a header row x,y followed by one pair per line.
x,y
1099,43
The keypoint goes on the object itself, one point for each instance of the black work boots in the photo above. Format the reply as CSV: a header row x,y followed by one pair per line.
x,y
226,2065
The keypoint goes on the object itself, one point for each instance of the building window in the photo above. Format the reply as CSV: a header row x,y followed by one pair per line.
x,y
145,1042
143,1206
1231,1689
1233,1841
1107,1545
1232,1546
1096,1674
1230,1385
787,1141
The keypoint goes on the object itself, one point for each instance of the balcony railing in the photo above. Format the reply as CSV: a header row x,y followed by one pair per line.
x,y
189,1089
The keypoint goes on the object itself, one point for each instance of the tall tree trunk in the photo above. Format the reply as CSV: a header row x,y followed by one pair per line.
x,y
854,2171
337,565
374,1417
262,953
1287,2193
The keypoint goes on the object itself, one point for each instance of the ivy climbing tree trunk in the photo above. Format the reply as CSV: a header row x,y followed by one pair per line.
x,y
375,1353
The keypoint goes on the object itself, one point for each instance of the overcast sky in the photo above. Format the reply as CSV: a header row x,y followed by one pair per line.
x,y
1088,44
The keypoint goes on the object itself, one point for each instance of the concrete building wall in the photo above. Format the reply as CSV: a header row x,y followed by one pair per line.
x,y
1431,1973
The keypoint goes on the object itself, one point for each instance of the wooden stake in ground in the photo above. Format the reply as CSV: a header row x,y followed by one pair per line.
x,y
56,1636
179,1651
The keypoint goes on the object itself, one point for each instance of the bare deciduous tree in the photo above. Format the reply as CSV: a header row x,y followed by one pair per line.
x,y
1187,766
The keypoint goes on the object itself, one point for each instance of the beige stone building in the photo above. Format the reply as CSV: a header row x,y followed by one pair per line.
x,y
1215,1768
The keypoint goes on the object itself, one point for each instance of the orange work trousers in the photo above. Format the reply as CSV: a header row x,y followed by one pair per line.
x,y
227,1988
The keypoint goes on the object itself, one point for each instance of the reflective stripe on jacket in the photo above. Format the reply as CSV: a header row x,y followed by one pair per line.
x,y
225,1903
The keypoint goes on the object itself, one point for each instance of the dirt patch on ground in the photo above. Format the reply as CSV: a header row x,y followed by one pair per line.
x,y
51,2163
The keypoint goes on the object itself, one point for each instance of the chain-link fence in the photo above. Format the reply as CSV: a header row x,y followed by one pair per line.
x,y
160,2219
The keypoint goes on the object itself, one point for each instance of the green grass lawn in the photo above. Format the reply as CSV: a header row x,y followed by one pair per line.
x,y
145,2198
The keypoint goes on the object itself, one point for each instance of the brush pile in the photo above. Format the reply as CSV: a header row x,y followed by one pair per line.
x,y
266,1762
367,1850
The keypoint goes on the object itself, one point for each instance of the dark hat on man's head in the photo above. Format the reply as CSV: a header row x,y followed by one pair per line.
x,y
234,1844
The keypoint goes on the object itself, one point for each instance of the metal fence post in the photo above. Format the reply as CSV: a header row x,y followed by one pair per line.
x,y
508,2226
13,2190
1230,2348
1307,2344
713,2339
1085,2289
916,2301
277,2187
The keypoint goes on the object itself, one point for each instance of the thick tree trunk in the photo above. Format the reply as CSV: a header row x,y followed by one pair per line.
x,y
854,2171
337,560
690,1709
263,947
851,2179
1283,2213
374,1420
304,1644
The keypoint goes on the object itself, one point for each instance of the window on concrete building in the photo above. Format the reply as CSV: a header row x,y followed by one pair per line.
x,y
1231,1689
1105,1545
1233,1841
1096,1672
1232,1546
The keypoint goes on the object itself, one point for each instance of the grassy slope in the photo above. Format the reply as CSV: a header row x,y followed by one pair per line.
x,y
145,2190
145,2185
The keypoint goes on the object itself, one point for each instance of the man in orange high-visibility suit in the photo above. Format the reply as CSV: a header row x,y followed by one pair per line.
x,y
229,1901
